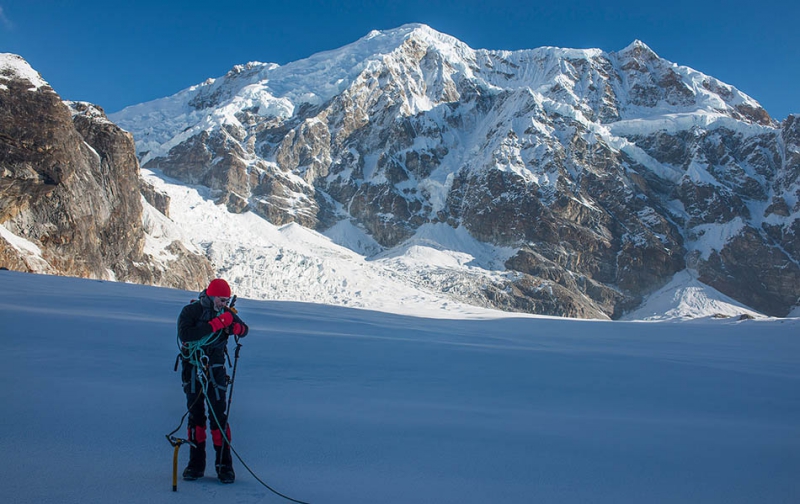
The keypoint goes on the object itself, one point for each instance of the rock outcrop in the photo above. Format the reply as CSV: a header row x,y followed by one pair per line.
x,y
70,201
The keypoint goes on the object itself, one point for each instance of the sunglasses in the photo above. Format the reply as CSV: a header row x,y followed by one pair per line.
x,y
223,300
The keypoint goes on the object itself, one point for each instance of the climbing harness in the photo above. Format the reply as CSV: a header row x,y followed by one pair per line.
x,y
193,353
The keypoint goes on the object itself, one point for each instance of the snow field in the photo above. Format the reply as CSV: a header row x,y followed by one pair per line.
x,y
335,405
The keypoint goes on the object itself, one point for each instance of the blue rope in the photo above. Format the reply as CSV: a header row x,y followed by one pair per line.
x,y
193,351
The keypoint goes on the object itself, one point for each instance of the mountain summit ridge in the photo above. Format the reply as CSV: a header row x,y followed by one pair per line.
x,y
280,89
379,44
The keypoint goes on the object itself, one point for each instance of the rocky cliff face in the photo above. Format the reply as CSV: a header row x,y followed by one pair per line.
x,y
606,172
70,199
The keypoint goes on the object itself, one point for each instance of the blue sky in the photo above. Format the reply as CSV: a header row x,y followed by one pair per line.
x,y
119,53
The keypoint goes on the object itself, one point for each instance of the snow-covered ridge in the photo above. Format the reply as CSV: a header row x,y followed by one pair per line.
x,y
673,122
277,91
13,66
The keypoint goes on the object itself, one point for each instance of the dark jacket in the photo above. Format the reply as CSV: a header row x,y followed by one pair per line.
x,y
193,321
192,326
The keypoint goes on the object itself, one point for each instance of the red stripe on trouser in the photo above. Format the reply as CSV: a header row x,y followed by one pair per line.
x,y
197,434
216,435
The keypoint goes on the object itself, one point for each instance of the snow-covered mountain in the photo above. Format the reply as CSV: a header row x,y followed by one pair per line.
x,y
69,222
588,178
555,181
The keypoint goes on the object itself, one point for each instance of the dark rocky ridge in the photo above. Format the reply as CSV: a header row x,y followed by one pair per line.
x,y
70,186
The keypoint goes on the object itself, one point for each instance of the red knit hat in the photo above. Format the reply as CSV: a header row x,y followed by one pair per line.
x,y
218,288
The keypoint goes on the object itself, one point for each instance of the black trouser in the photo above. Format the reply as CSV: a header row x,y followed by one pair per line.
x,y
216,380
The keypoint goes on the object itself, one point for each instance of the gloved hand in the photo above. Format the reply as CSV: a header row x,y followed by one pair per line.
x,y
240,329
221,322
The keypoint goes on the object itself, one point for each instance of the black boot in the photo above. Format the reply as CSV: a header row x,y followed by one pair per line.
x,y
224,463
197,462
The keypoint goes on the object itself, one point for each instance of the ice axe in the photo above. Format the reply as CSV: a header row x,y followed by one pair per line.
x,y
177,442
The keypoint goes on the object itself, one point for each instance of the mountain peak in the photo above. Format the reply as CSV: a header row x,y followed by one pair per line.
x,y
407,30
639,49
13,66
418,31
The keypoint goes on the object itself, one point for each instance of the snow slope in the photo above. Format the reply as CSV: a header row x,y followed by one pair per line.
x,y
334,405
436,273
685,297
294,263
